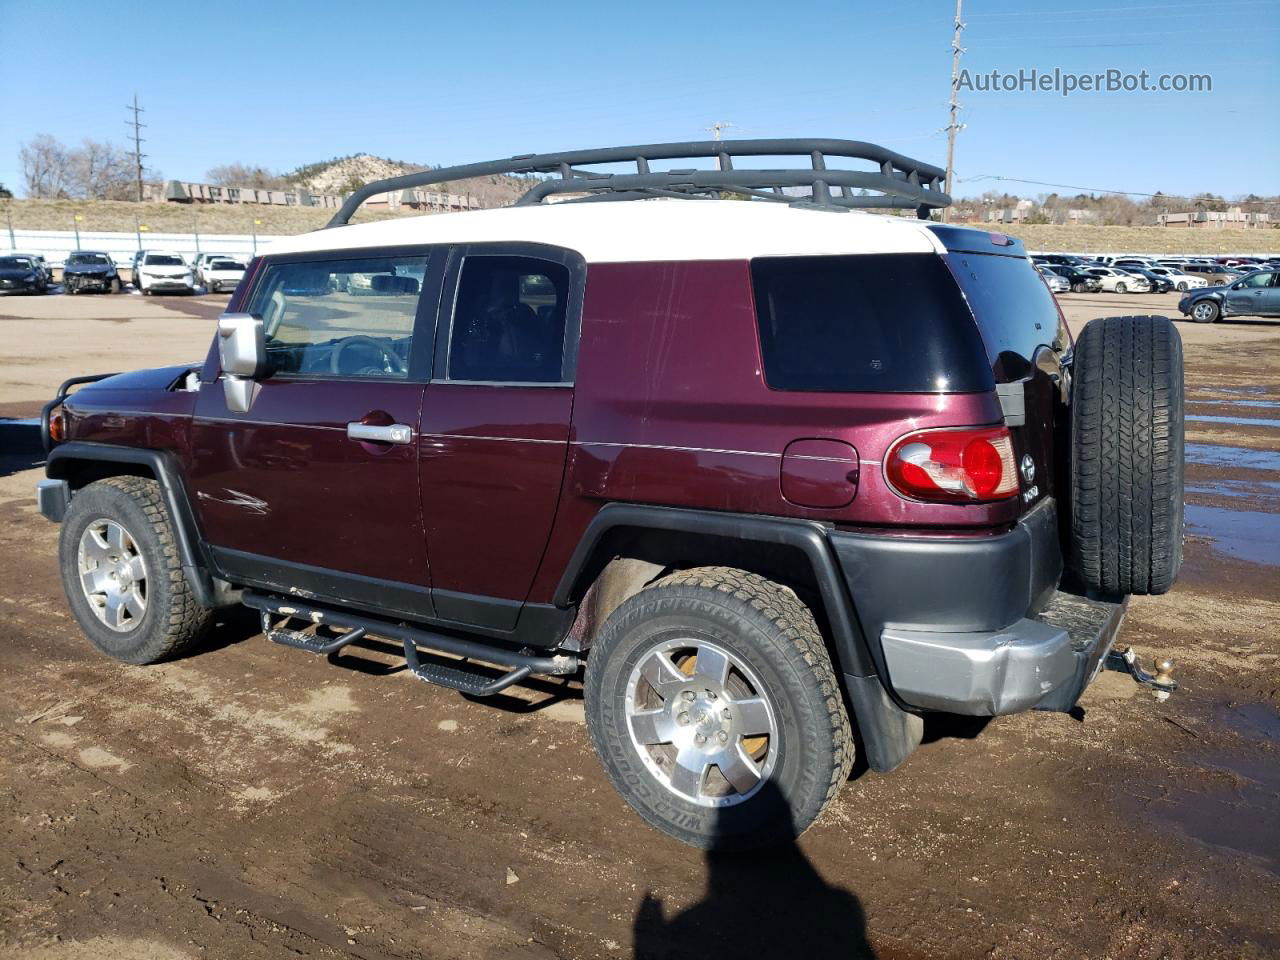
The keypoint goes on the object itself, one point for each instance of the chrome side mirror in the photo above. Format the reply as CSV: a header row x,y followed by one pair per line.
x,y
242,353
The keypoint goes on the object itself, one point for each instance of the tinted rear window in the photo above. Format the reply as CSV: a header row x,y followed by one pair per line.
x,y
882,323
1015,311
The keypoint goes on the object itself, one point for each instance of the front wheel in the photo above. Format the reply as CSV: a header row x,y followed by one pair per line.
x,y
122,575
715,710
1182,288
1120,287
1206,311
115,284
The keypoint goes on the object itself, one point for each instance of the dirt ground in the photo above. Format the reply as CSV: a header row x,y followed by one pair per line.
x,y
254,802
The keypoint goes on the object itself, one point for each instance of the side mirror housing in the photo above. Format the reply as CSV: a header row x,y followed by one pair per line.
x,y
242,353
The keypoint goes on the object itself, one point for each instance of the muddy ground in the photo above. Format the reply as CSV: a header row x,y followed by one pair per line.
x,y
252,801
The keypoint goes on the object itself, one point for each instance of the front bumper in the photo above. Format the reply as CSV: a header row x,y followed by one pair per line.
x,y
53,497
976,625
88,282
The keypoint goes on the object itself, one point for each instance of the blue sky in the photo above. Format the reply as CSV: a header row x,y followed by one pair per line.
x,y
286,83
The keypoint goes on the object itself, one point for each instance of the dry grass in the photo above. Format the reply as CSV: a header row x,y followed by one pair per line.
x,y
118,216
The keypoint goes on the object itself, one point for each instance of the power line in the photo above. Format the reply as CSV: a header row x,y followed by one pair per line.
x,y
1116,10
954,102
137,125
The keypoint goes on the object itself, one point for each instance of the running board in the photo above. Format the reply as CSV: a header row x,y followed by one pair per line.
x,y
464,678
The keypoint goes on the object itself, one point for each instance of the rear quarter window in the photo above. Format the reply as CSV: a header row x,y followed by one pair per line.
x,y
875,323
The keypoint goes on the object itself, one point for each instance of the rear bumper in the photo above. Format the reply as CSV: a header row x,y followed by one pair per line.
x,y
976,625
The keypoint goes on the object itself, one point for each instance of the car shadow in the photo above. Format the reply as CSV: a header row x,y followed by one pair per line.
x,y
769,902
20,446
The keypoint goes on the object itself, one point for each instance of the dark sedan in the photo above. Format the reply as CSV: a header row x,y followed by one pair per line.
x,y
86,270
1255,294
1080,281
22,275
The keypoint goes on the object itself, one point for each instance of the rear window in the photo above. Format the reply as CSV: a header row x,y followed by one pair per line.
x,y
881,323
1016,313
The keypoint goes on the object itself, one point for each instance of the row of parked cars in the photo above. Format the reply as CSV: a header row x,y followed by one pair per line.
x,y
1210,287
91,271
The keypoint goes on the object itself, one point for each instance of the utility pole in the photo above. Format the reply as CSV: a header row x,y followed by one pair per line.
x,y
952,126
8,219
137,125
718,126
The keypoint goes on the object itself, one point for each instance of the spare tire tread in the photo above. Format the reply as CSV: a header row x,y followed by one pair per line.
x,y
1127,471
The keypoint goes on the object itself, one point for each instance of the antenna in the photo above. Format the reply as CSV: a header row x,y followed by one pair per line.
x,y
952,126
718,126
137,125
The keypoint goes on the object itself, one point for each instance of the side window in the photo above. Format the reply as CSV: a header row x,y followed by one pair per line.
x,y
343,318
509,320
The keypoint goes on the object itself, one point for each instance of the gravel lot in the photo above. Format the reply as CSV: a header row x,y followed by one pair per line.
x,y
251,801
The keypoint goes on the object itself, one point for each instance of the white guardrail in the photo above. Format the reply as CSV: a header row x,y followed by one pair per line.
x,y
54,245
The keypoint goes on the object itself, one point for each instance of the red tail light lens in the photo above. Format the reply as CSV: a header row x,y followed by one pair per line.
x,y
968,465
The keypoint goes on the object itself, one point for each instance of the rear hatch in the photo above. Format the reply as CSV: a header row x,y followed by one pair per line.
x,y
1026,341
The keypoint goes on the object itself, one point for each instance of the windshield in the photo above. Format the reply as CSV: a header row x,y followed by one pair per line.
x,y
226,265
164,260
94,258
15,263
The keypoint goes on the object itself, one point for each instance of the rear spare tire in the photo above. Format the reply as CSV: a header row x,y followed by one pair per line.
x,y
1127,455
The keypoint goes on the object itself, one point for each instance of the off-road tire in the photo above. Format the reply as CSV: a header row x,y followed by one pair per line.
x,y
173,621
774,633
1127,455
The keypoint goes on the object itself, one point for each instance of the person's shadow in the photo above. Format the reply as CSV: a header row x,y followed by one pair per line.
x,y
765,903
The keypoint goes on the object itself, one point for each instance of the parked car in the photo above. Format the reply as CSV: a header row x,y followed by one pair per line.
x,y
1181,281
221,273
201,261
1057,259
1081,280
160,272
86,270
20,273
644,436
1212,272
1117,281
1155,282
1056,282
41,264
1256,294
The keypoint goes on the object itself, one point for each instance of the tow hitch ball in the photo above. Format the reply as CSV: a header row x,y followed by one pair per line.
x,y
1161,681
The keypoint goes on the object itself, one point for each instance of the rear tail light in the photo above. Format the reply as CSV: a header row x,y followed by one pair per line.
x,y
57,428
965,465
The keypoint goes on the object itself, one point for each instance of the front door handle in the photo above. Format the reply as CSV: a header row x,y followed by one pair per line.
x,y
396,433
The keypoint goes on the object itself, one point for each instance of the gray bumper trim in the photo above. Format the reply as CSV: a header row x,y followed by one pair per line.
x,y
1044,663
53,497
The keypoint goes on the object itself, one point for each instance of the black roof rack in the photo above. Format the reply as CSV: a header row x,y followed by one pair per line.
x,y
899,182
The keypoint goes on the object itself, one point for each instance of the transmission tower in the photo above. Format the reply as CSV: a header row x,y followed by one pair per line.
x,y
137,124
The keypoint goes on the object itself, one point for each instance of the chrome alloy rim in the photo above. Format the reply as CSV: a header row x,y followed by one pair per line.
x,y
112,575
699,719
1202,310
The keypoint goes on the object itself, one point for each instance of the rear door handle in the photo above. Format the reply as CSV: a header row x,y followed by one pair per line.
x,y
396,433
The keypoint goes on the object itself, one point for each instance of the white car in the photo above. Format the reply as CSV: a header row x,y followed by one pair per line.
x,y
1117,281
1056,282
1181,281
159,272
221,273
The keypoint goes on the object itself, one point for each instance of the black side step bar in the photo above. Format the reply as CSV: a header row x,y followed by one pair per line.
x,y
473,682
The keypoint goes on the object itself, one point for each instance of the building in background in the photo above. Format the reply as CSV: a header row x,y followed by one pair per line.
x,y
1232,217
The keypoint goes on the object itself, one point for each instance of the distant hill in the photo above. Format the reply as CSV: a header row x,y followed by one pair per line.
x,y
344,174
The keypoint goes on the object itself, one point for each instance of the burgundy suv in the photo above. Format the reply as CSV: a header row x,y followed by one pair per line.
x,y
774,471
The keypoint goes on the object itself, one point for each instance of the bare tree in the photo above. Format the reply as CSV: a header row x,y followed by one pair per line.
x,y
102,171
242,175
46,167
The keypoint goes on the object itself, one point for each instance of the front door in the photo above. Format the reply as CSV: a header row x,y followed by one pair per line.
x,y
1247,297
495,426
315,488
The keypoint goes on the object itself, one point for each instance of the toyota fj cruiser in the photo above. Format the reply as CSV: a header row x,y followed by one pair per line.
x,y
772,470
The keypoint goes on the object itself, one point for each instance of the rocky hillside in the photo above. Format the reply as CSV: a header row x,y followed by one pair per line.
x,y
344,174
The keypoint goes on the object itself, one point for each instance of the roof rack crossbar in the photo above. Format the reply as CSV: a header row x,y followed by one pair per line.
x,y
900,182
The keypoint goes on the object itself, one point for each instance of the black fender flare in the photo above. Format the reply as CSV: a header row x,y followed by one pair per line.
x,y
889,732
162,465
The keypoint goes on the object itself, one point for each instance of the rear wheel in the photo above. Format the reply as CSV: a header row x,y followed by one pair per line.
x,y
1127,455
122,574
715,709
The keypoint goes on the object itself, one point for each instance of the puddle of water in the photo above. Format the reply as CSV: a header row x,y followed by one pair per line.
x,y
1238,421
1257,721
1235,488
1251,391
1242,819
1250,535
1218,455
1246,404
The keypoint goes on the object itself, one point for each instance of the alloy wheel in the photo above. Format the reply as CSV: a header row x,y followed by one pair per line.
x,y
702,723
113,575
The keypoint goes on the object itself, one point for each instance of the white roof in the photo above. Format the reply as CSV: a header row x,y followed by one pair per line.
x,y
635,230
